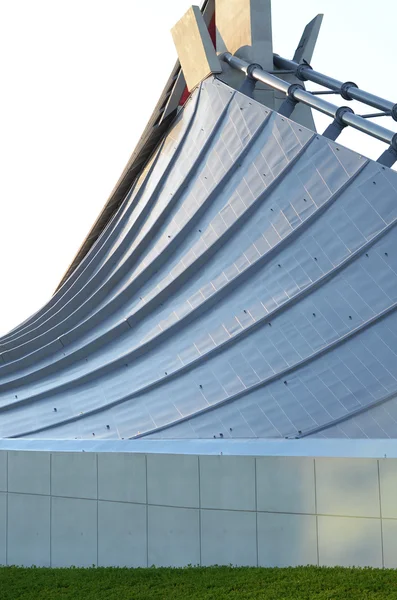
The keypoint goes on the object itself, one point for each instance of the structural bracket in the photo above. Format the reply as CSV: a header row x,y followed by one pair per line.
x,y
334,130
249,83
290,102
389,156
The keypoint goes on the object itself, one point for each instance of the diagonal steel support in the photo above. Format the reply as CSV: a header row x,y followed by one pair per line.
x,y
249,83
289,103
305,49
389,156
334,130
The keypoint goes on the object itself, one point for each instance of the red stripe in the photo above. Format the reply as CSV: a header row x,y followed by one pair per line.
x,y
212,31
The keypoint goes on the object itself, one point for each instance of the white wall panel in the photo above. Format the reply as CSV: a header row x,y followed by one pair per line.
x,y
285,484
347,486
122,477
3,471
173,480
122,540
286,540
73,532
172,526
228,537
173,536
388,487
227,482
28,539
74,475
3,528
348,541
389,536
29,472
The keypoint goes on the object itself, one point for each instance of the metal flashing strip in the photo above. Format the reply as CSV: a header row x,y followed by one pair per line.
x,y
335,448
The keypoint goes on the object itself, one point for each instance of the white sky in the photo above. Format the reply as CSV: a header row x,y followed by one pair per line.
x,y
79,80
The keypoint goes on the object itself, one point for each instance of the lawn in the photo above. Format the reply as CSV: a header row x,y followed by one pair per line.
x,y
215,583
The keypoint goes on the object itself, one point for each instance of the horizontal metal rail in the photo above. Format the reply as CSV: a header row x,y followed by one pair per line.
x,y
342,115
348,90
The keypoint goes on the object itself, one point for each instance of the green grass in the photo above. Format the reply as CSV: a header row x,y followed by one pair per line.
x,y
215,583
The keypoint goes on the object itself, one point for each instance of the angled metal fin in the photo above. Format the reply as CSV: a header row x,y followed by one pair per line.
x,y
305,49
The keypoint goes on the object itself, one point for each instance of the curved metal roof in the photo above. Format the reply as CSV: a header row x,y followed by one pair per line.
x,y
172,96
245,288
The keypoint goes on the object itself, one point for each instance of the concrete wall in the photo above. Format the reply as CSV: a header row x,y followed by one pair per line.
x,y
60,509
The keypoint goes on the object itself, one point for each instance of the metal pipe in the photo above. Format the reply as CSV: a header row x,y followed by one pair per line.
x,y
374,101
374,130
315,102
256,72
305,72
297,93
348,90
272,80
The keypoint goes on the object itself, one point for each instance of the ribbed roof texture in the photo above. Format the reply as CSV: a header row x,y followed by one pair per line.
x,y
246,288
